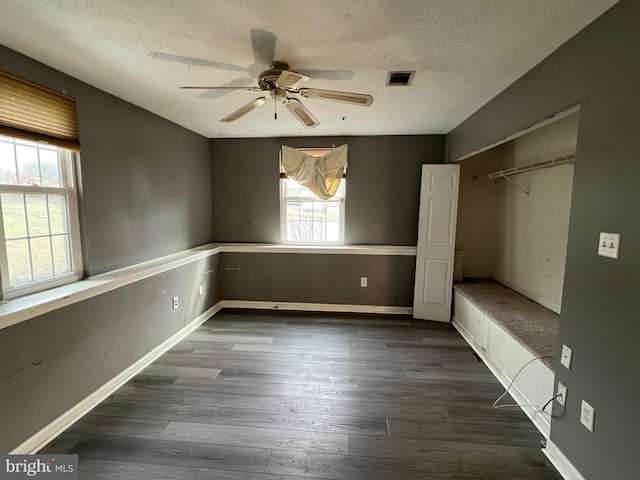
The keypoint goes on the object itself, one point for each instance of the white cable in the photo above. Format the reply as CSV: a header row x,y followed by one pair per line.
x,y
495,404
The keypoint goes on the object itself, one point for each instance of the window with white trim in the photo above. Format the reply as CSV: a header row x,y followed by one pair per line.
x,y
39,228
305,219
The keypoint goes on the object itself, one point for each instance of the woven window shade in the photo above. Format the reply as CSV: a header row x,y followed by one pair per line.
x,y
36,113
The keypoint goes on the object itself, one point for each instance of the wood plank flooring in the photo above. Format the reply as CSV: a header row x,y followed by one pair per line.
x,y
284,396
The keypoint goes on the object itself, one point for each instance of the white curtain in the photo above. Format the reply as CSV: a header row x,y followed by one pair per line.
x,y
321,175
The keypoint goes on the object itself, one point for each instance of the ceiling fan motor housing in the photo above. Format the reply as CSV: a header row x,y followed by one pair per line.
x,y
267,79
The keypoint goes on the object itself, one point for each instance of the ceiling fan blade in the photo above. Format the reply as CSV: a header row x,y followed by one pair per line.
x,y
264,46
217,92
346,97
328,74
222,87
199,62
242,111
300,112
289,79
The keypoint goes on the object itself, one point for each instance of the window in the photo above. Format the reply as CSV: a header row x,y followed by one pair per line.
x,y
307,220
39,230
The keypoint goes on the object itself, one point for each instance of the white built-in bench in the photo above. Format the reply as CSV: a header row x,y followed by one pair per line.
x,y
507,330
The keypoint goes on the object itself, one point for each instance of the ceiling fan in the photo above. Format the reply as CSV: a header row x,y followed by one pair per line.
x,y
275,78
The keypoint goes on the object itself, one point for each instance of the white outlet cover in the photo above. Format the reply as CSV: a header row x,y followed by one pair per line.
x,y
587,414
609,245
363,281
562,390
567,355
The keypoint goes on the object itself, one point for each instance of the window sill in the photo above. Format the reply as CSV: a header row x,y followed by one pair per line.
x,y
20,309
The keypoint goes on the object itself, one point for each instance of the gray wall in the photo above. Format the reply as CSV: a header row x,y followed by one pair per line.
x,y
145,181
383,185
600,68
52,362
318,278
145,192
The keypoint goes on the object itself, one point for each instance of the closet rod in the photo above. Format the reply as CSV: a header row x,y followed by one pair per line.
x,y
567,159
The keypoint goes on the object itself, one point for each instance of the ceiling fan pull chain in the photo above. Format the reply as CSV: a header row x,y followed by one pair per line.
x,y
275,109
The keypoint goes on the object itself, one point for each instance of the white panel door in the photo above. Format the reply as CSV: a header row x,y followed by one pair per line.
x,y
436,242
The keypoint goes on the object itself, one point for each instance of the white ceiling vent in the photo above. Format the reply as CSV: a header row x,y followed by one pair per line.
x,y
400,79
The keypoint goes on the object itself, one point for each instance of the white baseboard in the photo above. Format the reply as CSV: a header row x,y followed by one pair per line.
x,y
542,424
64,421
317,307
561,462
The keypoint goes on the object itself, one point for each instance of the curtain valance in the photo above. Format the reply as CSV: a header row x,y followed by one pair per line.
x,y
321,174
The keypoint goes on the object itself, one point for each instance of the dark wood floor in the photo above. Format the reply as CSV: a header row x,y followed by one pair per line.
x,y
281,396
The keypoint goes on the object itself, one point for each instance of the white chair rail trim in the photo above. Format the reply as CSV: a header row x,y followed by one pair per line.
x,y
21,309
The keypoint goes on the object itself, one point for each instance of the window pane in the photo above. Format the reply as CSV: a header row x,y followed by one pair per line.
x,y
7,163
37,227
292,188
49,167
58,214
37,217
61,254
41,258
13,216
333,231
309,219
28,168
18,261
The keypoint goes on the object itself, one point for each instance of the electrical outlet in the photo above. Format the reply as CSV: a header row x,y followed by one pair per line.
x,y
363,281
609,244
566,356
175,303
562,391
200,290
587,414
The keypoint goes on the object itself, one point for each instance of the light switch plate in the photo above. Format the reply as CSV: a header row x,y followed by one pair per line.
x,y
566,356
609,244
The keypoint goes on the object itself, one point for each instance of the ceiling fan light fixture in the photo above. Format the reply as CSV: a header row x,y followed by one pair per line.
x,y
400,78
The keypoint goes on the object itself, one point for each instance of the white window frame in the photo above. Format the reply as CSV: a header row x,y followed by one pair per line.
x,y
313,198
67,159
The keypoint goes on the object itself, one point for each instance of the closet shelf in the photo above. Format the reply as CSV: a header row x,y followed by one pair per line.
x,y
531,167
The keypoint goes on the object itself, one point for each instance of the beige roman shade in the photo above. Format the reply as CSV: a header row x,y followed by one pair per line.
x,y
36,113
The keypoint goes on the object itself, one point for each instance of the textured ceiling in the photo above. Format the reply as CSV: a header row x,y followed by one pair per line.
x,y
464,53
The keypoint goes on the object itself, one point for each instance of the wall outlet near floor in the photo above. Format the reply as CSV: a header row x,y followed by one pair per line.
x,y
562,392
175,303
566,356
363,281
587,414
609,244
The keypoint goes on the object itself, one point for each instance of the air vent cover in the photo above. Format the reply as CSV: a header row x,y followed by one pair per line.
x,y
400,79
